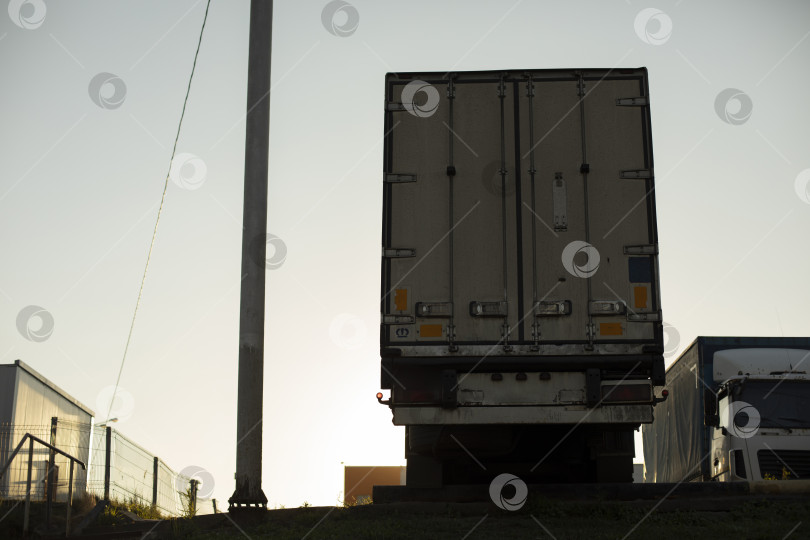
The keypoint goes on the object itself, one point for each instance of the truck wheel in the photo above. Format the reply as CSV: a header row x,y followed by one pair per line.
x,y
614,469
424,472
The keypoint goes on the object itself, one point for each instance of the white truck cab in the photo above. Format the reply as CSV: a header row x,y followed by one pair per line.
x,y
762,429
738,410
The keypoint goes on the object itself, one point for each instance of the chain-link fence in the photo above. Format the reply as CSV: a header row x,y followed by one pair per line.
x,y
124,471
132,476
72,438
118,469
97,466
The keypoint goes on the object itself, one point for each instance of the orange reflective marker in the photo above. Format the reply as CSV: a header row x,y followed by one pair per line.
x,y
401,299
640,296
610,329
430,330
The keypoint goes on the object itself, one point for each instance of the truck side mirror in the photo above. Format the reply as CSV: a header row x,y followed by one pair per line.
x,y
710,416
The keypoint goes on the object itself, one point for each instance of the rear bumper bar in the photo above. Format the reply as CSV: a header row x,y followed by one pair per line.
x,y
610,414
650,364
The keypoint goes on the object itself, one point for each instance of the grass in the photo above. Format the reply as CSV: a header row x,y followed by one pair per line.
x,y
12,514
113,514
538,519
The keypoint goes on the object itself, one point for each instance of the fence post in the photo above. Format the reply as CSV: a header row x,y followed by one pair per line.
x,y
28,486
69,500
192,500
107,457
50,476
154,482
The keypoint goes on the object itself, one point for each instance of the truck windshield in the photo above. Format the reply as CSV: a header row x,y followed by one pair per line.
x,y
780,405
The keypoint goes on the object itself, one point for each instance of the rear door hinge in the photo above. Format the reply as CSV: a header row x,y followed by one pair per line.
x,y
530,88
398,253
644,317
633,101
643,249
502,89
636,173
397,319
399,178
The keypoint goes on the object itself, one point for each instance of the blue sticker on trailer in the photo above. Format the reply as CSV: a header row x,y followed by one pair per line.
x,y
640,269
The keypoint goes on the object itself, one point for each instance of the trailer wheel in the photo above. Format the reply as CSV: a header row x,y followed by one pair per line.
x,y
424,472
614,469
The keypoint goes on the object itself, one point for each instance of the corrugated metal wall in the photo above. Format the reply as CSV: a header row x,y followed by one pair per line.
x,y
27,405
36,403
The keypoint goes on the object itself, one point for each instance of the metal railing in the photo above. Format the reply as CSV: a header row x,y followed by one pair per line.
x,y
117,469
32,439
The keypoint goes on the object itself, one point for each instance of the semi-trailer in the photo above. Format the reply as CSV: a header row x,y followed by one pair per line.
x,y
738,410
521,325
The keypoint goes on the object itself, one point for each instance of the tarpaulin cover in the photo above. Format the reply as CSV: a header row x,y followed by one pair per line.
x,y
676,443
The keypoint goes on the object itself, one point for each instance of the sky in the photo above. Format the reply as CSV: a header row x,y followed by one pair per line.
x,y
90,99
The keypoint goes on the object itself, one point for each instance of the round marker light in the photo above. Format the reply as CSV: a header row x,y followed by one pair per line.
x,y
665,393
379,395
